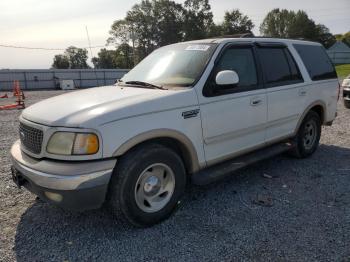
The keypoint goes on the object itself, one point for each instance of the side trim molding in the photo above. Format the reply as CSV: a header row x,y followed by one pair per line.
x,y
247,131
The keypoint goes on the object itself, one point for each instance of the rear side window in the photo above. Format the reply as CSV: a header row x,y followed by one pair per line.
x,y
294,70
278,66
316,62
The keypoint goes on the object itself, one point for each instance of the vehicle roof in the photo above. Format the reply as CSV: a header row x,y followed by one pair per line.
x,y
253,39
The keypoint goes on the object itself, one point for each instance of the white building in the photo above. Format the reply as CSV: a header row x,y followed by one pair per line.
x,y
339,53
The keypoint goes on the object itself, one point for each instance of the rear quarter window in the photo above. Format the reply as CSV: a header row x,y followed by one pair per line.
x,y
316,61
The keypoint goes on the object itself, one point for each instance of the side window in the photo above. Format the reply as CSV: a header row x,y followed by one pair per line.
x,y
316,61
278,69
294,69
242,61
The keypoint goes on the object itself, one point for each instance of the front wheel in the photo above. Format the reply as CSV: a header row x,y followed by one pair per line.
x,y
147,185
308,136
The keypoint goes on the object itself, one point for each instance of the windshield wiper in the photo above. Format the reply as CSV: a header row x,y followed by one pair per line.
x,y
145,84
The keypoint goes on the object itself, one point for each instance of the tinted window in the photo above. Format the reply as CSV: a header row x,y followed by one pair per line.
x,y
242,61
316,62
294,70
277,69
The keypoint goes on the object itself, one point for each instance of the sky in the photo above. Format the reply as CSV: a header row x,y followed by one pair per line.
x,y
62,23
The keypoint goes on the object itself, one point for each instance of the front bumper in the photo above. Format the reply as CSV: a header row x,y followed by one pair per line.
x,y
71,185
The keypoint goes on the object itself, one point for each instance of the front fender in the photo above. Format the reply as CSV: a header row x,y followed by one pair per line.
x,y
120,136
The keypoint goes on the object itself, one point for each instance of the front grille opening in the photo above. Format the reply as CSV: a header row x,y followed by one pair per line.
x,y
31,138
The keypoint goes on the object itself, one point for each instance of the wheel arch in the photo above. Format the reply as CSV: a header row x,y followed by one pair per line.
x,y
170,138
319,107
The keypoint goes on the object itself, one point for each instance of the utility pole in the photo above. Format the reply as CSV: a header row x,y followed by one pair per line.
x,y
133,45
92,55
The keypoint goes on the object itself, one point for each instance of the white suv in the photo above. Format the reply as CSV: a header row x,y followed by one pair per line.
x,y
197,110
346,91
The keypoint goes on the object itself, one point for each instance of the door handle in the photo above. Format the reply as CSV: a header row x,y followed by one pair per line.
x,y
255,101
302,92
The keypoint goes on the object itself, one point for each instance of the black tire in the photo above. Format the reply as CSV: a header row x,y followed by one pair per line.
x,y
347,103
302,149
122,190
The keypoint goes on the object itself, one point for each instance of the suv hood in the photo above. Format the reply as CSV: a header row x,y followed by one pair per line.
x,y
97,106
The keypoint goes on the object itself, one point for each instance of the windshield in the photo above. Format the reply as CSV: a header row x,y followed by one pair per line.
x,y
175,65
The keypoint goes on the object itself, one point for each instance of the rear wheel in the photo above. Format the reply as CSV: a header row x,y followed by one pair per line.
x,y
147,185
308,136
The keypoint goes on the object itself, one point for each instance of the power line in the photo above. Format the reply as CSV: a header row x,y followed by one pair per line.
x,y
44,48
328,11
257,17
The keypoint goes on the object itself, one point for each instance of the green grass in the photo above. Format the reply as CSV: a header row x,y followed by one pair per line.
x,y
343,70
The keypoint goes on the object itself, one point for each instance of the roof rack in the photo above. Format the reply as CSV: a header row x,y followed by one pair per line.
x,y
243,35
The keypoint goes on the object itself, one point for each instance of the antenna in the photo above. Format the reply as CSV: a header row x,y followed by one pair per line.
x,y
91,53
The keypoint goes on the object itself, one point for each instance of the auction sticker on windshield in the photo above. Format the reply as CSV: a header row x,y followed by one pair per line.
x,y
198,48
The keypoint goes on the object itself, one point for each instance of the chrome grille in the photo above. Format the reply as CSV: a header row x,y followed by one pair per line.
x,y
31,138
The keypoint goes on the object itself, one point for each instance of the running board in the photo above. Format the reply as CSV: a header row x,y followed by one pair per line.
x,y
222,170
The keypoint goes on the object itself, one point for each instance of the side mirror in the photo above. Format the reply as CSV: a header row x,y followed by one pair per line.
x,y
227,77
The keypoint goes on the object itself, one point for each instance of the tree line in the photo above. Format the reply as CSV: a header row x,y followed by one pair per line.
x,y
155,23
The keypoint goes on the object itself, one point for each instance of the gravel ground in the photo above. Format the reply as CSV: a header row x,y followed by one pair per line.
x,y
308,220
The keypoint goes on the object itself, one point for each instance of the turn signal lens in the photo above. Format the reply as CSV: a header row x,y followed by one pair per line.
x,y
85,144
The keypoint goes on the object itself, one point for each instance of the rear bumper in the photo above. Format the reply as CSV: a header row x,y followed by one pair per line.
x,y
70,185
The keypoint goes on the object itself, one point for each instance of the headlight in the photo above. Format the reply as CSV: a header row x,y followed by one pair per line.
x,y
67,143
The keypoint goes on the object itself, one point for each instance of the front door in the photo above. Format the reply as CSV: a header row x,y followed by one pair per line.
x,y
233,117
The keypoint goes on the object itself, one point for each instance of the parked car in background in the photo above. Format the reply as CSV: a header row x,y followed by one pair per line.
x,y
346,91
193,111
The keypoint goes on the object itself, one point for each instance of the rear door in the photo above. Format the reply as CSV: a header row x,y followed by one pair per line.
x,y
233,117
285,89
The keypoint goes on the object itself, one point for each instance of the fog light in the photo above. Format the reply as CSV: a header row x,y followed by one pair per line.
x,y
54,196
